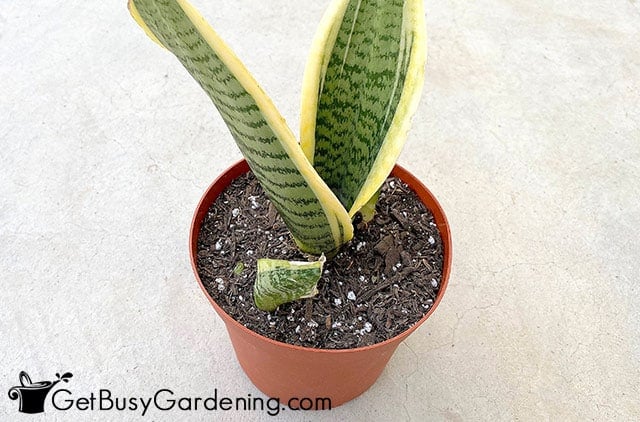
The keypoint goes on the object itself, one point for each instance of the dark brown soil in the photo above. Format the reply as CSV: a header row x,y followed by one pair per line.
x,y
376,287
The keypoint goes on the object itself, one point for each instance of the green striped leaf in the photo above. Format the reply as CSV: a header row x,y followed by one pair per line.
x,y
362,85
313,214
279,281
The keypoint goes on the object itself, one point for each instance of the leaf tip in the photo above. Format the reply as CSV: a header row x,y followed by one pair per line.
x,y
133,10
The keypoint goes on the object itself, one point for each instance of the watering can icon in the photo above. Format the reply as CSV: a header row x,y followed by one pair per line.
x,y
33,394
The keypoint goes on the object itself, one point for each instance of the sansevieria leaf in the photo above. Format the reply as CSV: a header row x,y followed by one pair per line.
x,y
279,281
311,211
362,85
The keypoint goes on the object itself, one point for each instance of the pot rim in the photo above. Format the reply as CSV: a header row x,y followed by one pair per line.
x,y
242,167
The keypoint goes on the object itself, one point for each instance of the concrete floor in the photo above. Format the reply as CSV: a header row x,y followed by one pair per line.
x,y
528,133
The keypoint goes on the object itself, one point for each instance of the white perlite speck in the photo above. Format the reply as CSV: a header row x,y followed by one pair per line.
x,y
235,212
218,245
360,245
434,283
337,301
431,240
351,295
254,203
220,284
367,328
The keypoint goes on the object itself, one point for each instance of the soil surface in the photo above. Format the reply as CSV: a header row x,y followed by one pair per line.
x,y
376,287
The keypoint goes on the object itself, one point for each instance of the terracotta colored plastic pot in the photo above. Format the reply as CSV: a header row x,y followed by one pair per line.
x,y
285,371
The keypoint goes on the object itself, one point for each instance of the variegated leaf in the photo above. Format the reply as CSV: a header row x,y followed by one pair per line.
x,y
362,85
279,281
315,217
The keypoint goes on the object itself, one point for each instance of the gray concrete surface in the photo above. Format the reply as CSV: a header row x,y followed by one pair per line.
x,y
527,132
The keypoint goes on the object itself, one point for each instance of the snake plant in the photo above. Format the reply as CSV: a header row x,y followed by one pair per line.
x,y
362,84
